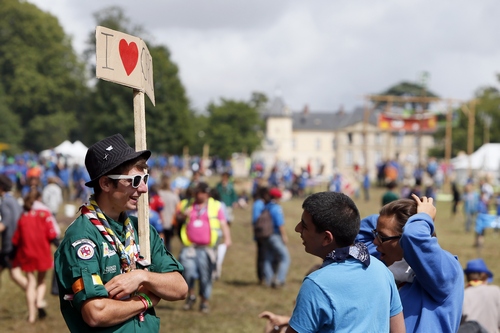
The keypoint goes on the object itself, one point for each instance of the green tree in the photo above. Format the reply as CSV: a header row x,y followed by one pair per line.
x,y
11,131
406,88
486,114
233,127
41,75
168,124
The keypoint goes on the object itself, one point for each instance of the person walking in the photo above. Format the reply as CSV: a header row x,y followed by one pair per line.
x,y
32,238
10,211
52,195
276,260
170,201
103,284
203,223
228,195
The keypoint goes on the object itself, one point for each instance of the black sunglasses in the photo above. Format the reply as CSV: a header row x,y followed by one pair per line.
x,y
136,179
383,239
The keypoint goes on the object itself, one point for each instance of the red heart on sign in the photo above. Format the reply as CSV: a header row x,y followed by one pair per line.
x,y
129,54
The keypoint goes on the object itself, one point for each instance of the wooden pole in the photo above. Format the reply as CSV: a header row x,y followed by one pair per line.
x,y
472,124
447,148
366,118
143,203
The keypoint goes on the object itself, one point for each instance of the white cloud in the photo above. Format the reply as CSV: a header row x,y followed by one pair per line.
x,y
322,53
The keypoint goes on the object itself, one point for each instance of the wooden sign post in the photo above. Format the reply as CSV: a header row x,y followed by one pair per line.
x,y
125,59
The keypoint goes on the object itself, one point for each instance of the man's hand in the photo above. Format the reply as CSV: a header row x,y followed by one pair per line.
x,y
425,205
125,284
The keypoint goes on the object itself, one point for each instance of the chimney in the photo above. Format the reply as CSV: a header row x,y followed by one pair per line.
x,y
341,109
306,109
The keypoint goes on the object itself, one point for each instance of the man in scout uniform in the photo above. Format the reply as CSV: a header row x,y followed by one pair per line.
x,y
102,285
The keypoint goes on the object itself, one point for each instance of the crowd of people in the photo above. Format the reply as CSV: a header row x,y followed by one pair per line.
x,y
104,284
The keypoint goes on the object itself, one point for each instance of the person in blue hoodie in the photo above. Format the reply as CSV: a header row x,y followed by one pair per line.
x,y
429,278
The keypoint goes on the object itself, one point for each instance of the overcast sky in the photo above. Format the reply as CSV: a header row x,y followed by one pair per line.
x,y
323,53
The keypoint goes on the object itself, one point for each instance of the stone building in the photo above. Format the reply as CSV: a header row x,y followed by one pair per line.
x,y
331,142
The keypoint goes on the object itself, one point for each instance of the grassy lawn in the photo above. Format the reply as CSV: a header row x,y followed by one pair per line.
x,y
237,299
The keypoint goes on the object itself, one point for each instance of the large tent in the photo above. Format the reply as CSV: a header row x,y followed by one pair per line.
x,y
74,152
485,160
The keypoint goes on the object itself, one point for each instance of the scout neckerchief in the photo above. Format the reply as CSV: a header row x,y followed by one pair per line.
x,y
129,253
358,251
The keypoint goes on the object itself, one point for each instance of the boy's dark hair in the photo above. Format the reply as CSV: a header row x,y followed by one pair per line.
x,y
334,212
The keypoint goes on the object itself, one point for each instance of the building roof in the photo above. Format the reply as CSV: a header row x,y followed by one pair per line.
x,y
328,121
276,108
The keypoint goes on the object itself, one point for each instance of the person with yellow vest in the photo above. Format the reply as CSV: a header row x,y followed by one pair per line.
x,y
200,233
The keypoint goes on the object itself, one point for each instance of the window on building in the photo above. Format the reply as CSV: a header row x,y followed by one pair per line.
x,y
334,164
399,139
349,138
378,138
334,144
318,144
349,158
378,156
293,144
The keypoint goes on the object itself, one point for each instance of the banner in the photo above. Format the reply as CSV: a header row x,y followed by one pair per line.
x,y
413,123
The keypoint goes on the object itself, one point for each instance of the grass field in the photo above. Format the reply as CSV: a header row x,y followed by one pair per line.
x,y
236,298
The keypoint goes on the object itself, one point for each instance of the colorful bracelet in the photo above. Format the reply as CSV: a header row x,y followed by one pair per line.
x,y
146,297
146,307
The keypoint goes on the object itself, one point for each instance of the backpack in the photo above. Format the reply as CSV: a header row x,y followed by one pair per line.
x,y
198,231
263,226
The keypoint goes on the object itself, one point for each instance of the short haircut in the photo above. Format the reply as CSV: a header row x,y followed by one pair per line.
x,y
334,212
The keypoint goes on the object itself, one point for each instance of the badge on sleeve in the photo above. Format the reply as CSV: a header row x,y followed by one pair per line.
x,y
86,251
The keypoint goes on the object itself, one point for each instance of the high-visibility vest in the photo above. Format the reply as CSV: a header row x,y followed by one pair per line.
x,y
213,207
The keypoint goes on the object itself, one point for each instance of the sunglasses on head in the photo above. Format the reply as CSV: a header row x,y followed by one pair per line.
x,y
136,179
383,239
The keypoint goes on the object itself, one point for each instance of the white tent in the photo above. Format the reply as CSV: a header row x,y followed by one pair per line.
x,y
65,148
79,152
485,160
74,152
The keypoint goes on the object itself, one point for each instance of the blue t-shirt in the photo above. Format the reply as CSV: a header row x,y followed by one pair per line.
x,y
347,297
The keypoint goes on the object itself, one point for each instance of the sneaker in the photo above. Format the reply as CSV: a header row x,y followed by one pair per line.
x,y
42,313
189,302
204,308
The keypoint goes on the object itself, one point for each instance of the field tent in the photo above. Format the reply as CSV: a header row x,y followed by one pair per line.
x,y
485,160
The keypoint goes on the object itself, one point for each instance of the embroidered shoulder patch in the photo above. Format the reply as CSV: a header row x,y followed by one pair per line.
x,y
86,251
83,241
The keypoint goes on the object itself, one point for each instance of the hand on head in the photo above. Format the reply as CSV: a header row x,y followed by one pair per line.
x,y
425,205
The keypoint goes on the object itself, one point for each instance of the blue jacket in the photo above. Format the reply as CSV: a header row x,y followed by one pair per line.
x,y
433,301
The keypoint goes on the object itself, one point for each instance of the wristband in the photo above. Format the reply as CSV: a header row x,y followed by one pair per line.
x,y
146,298
146,306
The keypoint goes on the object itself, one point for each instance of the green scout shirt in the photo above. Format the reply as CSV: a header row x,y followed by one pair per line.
x,y
85,252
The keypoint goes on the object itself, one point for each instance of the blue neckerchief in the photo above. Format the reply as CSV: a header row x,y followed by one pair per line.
x,y
358,251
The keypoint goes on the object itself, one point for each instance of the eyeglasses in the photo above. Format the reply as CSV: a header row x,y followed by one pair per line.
x,y
136,179
383,239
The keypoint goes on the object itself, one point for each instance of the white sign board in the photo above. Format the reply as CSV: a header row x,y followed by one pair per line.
x,y
124,59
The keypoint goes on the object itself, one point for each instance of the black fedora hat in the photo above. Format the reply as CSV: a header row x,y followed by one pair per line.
x,y
105,155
